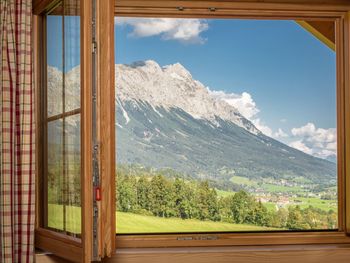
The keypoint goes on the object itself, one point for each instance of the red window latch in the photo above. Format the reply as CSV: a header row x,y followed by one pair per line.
x,y
97,193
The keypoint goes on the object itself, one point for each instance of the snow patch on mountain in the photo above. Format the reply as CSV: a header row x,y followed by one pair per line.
x,y
173,86
125,114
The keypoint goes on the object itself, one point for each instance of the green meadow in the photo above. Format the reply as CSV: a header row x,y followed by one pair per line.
x,y
73,218
269,187
133,223
325,205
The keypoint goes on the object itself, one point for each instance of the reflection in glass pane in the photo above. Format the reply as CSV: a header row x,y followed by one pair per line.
x,y
54,63
72,56
63,182
63,131
72,173
55,180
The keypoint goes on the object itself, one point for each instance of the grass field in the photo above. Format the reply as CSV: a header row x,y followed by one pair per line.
x,y
73,218
305,202
272,188
133,223
242,181
325,205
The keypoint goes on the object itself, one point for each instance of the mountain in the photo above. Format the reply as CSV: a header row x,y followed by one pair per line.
x,y
172,87
166,119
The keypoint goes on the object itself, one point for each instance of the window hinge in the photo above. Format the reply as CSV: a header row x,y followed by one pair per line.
x,y
94,47
95,163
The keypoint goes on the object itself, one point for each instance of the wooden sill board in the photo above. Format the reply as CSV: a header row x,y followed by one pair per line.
x,y
244,254
256,254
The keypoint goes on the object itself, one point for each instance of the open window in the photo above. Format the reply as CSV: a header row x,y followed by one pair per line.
x,y
187,168
62,122
60,160
69,206
230,141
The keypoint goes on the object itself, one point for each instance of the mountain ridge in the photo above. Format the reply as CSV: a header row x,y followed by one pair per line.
x,y
172,86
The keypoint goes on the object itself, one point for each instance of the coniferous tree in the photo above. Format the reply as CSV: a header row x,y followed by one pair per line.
x,y
295,218
241,206
126,194
161,201
184,203
207,202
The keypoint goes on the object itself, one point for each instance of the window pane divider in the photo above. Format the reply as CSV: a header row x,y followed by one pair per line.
x,y
64,115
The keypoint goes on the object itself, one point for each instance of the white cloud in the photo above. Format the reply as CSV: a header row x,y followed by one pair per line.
x,y
299,145
244,102
318,142
183,30
306,130
317,136
322,142
246,105
280,134
262,127
315,141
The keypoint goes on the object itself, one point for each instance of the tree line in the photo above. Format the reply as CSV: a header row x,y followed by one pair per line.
x,y
161,196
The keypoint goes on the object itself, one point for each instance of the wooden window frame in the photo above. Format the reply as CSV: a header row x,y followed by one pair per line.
x,y
45,120
71,248
338,11
65,246
80,249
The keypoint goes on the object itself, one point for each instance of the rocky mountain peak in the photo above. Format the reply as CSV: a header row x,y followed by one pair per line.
x,y
177,71
147,66
173,86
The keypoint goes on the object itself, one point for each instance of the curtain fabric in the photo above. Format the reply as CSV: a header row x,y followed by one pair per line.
x,y
17,202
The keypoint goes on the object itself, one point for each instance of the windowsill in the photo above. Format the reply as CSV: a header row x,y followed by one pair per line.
x,y
232,239
250,254
233,249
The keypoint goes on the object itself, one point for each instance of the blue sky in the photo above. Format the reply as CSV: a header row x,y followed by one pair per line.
x,y
283,77
288,73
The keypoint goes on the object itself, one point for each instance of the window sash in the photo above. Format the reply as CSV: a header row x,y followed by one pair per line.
x,y
58,243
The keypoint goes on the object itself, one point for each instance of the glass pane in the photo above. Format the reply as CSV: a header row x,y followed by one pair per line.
x,y
63,135
219,127
55,182
55,174
72,55
54,37
73,180
63,171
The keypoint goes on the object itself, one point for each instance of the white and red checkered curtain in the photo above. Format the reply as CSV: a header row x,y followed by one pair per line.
x,y
17,202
